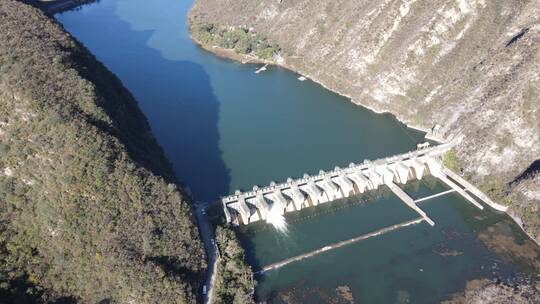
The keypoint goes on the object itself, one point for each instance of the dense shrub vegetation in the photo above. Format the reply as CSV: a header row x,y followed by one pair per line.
x,y
89,210
450,161
241,40
234,281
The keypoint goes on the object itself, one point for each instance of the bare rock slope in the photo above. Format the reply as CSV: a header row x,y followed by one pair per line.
x,y
484,291
472,67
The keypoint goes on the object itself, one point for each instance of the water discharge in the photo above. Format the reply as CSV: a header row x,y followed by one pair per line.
x,y
276,219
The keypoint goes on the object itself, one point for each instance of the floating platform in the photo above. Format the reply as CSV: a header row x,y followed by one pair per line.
x,y
262,69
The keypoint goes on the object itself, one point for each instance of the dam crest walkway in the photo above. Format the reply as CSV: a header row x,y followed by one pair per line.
x,y
309,191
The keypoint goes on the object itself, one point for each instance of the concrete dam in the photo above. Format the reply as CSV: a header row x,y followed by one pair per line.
x,y
309,191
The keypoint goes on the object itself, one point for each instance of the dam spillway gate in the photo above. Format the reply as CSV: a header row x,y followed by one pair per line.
x,y
309,191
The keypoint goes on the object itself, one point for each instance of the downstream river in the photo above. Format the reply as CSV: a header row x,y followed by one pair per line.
x,y
224,127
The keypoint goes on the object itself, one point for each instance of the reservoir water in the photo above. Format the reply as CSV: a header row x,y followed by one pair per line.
x,y
224,127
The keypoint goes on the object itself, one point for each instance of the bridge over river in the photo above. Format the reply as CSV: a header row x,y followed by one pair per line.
x,y
310,191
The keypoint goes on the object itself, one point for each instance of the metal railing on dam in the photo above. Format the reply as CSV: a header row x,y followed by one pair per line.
x,y
296,194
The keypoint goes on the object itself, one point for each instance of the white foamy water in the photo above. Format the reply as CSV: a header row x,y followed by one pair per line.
x,y
277,220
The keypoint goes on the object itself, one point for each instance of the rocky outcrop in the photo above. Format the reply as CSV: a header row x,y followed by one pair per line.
x,y
485,291
472,68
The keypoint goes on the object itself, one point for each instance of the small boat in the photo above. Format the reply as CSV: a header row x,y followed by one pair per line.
x,y
302,78
263,68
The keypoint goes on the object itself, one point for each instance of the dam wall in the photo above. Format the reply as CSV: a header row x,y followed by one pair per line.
x,y
309,191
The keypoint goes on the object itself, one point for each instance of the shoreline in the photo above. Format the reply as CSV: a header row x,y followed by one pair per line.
x,y
246,59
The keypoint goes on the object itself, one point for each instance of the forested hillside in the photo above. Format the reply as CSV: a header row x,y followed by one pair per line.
x,y
89,210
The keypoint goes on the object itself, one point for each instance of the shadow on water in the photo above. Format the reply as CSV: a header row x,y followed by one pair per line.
x,y
191,141
175,95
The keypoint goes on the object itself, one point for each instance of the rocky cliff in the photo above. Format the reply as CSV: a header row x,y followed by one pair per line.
x,y
469,68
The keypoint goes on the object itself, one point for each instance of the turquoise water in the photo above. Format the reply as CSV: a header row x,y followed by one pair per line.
x,y
415,264
224,127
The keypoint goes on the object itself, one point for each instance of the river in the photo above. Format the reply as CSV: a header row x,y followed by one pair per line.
x,y
224,127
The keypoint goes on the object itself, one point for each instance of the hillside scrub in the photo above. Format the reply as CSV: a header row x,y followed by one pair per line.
x,y
89,208
450,161
240,39
234,282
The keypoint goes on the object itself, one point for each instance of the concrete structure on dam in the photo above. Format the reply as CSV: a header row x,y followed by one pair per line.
x,y
308,191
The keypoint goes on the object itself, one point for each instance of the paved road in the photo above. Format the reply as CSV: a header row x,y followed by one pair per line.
x,y
207,234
